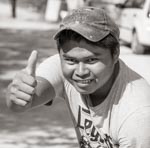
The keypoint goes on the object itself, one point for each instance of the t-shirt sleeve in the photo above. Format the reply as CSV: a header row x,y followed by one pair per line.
x,y
135,130
50,70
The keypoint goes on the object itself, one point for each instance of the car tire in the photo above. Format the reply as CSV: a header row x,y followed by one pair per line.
x,y
136,47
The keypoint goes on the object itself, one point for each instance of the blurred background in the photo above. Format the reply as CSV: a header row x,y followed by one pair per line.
x,y
27,25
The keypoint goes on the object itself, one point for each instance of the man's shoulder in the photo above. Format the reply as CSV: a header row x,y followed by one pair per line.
x,y
134,83
49,67
136,96
50,62
54,58
135,91
139,88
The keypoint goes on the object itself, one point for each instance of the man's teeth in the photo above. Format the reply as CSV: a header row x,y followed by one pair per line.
x,y
85,81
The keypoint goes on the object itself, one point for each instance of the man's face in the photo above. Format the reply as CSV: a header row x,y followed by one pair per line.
x,y
85,66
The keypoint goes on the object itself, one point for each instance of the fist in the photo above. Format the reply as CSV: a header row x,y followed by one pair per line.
x,y
22,88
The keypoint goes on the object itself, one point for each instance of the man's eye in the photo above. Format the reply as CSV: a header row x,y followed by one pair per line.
x,y
92,60
71,61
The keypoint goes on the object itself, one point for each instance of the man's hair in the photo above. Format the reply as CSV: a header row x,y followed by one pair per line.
x,y
109,42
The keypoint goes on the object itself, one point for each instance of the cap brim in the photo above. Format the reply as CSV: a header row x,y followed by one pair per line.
x,y
89,32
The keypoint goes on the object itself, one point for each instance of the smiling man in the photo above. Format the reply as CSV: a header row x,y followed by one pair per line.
x,y
108,102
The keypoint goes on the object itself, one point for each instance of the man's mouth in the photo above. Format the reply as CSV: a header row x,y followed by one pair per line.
x,y
83,81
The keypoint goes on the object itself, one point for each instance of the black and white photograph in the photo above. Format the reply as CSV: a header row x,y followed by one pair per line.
x,y
75,73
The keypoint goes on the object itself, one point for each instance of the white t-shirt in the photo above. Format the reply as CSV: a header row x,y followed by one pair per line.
x,y
121,120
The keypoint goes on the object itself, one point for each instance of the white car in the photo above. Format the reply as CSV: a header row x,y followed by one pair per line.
x,y
134,23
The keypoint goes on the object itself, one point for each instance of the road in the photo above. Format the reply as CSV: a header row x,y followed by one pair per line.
x,y
139,63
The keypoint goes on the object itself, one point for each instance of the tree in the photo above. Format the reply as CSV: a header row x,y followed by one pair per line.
x,y
13,7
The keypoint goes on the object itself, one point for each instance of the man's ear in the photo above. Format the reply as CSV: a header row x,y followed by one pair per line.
x,y
116,54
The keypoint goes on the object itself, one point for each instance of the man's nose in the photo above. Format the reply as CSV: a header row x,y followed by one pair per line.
x,y
82,70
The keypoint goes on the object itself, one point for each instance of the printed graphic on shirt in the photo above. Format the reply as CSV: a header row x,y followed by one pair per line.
x,y
91,136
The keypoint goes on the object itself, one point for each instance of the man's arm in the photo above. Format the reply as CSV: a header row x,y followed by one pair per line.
x,y
26,90
44,92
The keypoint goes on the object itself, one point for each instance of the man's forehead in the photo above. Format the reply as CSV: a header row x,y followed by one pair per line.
x,y
81,48
83,55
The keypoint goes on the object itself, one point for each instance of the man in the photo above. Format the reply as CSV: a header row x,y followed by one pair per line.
x,y
108,102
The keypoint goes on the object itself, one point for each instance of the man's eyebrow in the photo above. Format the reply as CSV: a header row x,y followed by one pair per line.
x,y
97,54
67,56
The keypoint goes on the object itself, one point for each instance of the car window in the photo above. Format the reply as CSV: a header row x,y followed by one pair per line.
x,y
134,3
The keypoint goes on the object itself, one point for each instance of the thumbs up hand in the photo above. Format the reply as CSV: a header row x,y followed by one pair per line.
x,y
22,88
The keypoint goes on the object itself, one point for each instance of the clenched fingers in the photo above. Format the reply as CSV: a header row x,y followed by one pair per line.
x,y
18,101
25,88
25,78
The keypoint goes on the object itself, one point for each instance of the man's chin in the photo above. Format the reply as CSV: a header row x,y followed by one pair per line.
x,y
84,91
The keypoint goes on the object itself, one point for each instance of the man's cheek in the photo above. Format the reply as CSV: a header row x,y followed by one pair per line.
x,y
67,72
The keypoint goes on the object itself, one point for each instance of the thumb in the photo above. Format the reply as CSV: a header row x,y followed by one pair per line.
x,y
31,65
